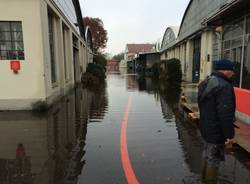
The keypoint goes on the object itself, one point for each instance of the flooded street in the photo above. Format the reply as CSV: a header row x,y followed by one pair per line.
x,y
78,141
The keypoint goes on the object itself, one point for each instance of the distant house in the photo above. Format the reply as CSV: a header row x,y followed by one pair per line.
x,y
132,51
112,66
145,62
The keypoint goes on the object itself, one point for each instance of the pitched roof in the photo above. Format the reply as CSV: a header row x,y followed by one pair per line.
x,y
139,48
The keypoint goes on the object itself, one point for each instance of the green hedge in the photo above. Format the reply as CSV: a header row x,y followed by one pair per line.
x,y
96,70
171,70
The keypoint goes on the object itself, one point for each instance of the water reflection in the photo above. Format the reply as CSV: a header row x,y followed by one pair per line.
x,y
48,148
52,148
237,166
168,90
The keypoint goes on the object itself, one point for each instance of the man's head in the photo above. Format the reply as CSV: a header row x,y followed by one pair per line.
x,y
225,66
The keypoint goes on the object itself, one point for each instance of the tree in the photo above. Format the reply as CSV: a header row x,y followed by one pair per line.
x,y
99,34
119,56
100,60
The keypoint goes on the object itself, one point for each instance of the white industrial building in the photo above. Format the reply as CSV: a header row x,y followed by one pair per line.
x,y
212,30
43,51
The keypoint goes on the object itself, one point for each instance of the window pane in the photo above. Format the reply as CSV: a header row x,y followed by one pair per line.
x,y
246,68
238,28
5,36
11,41
4,26
226,54
3,54
14,55
16,26
18,46
227,44
52,45
21,54
236,58
228,32
248,24
237,42
17,36
5,46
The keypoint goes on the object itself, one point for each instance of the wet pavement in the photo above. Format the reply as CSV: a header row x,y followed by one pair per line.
x,y
78,141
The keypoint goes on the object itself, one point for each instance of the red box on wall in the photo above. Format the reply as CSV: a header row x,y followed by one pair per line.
x,y
15,65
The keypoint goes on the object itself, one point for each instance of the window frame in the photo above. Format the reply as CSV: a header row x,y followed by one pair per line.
x,y
12,53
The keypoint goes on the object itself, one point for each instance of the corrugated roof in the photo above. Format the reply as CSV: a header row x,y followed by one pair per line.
x,y
175,30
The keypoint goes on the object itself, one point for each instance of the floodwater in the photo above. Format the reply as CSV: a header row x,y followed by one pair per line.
x,y
78,140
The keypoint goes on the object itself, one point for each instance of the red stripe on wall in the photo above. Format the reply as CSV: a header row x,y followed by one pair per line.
x,y
242,100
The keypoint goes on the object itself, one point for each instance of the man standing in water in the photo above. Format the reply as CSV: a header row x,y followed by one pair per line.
x,y
216,100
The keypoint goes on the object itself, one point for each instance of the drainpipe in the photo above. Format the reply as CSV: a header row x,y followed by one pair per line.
x,y
243,50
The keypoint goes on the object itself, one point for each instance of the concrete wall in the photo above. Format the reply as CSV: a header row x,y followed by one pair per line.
x,y
190,48
206,54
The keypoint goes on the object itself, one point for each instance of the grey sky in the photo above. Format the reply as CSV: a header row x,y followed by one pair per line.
x,y
134,21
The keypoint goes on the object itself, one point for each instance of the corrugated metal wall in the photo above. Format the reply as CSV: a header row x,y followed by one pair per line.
x,y
196,13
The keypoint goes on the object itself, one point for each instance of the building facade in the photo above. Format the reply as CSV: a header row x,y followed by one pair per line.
x,y
212,30
132,52
112,66
42,54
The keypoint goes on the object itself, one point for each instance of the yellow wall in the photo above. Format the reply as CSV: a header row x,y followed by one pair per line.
x,y
29,82
33,82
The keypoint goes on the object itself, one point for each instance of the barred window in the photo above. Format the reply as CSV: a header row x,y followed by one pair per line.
x,y
11,40
52,47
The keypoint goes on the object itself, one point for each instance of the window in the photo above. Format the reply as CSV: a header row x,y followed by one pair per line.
x,y
246,68
236,58
232,47
248,25
11,40
52,47
65,50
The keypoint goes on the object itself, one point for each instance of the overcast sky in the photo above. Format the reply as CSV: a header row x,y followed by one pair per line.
x,y
134,21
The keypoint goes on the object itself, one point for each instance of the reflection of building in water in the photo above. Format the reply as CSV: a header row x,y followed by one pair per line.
x,y
141,83
234,170
191,143
132,84
166,110
123,71
53,142
112,66
99,106
123,67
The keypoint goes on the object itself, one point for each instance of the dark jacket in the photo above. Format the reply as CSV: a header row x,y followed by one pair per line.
x,y
216,100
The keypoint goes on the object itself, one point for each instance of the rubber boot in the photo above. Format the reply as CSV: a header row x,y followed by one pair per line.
x,y
201,179
211,175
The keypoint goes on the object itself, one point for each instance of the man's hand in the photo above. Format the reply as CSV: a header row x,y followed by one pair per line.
x,y
229,143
